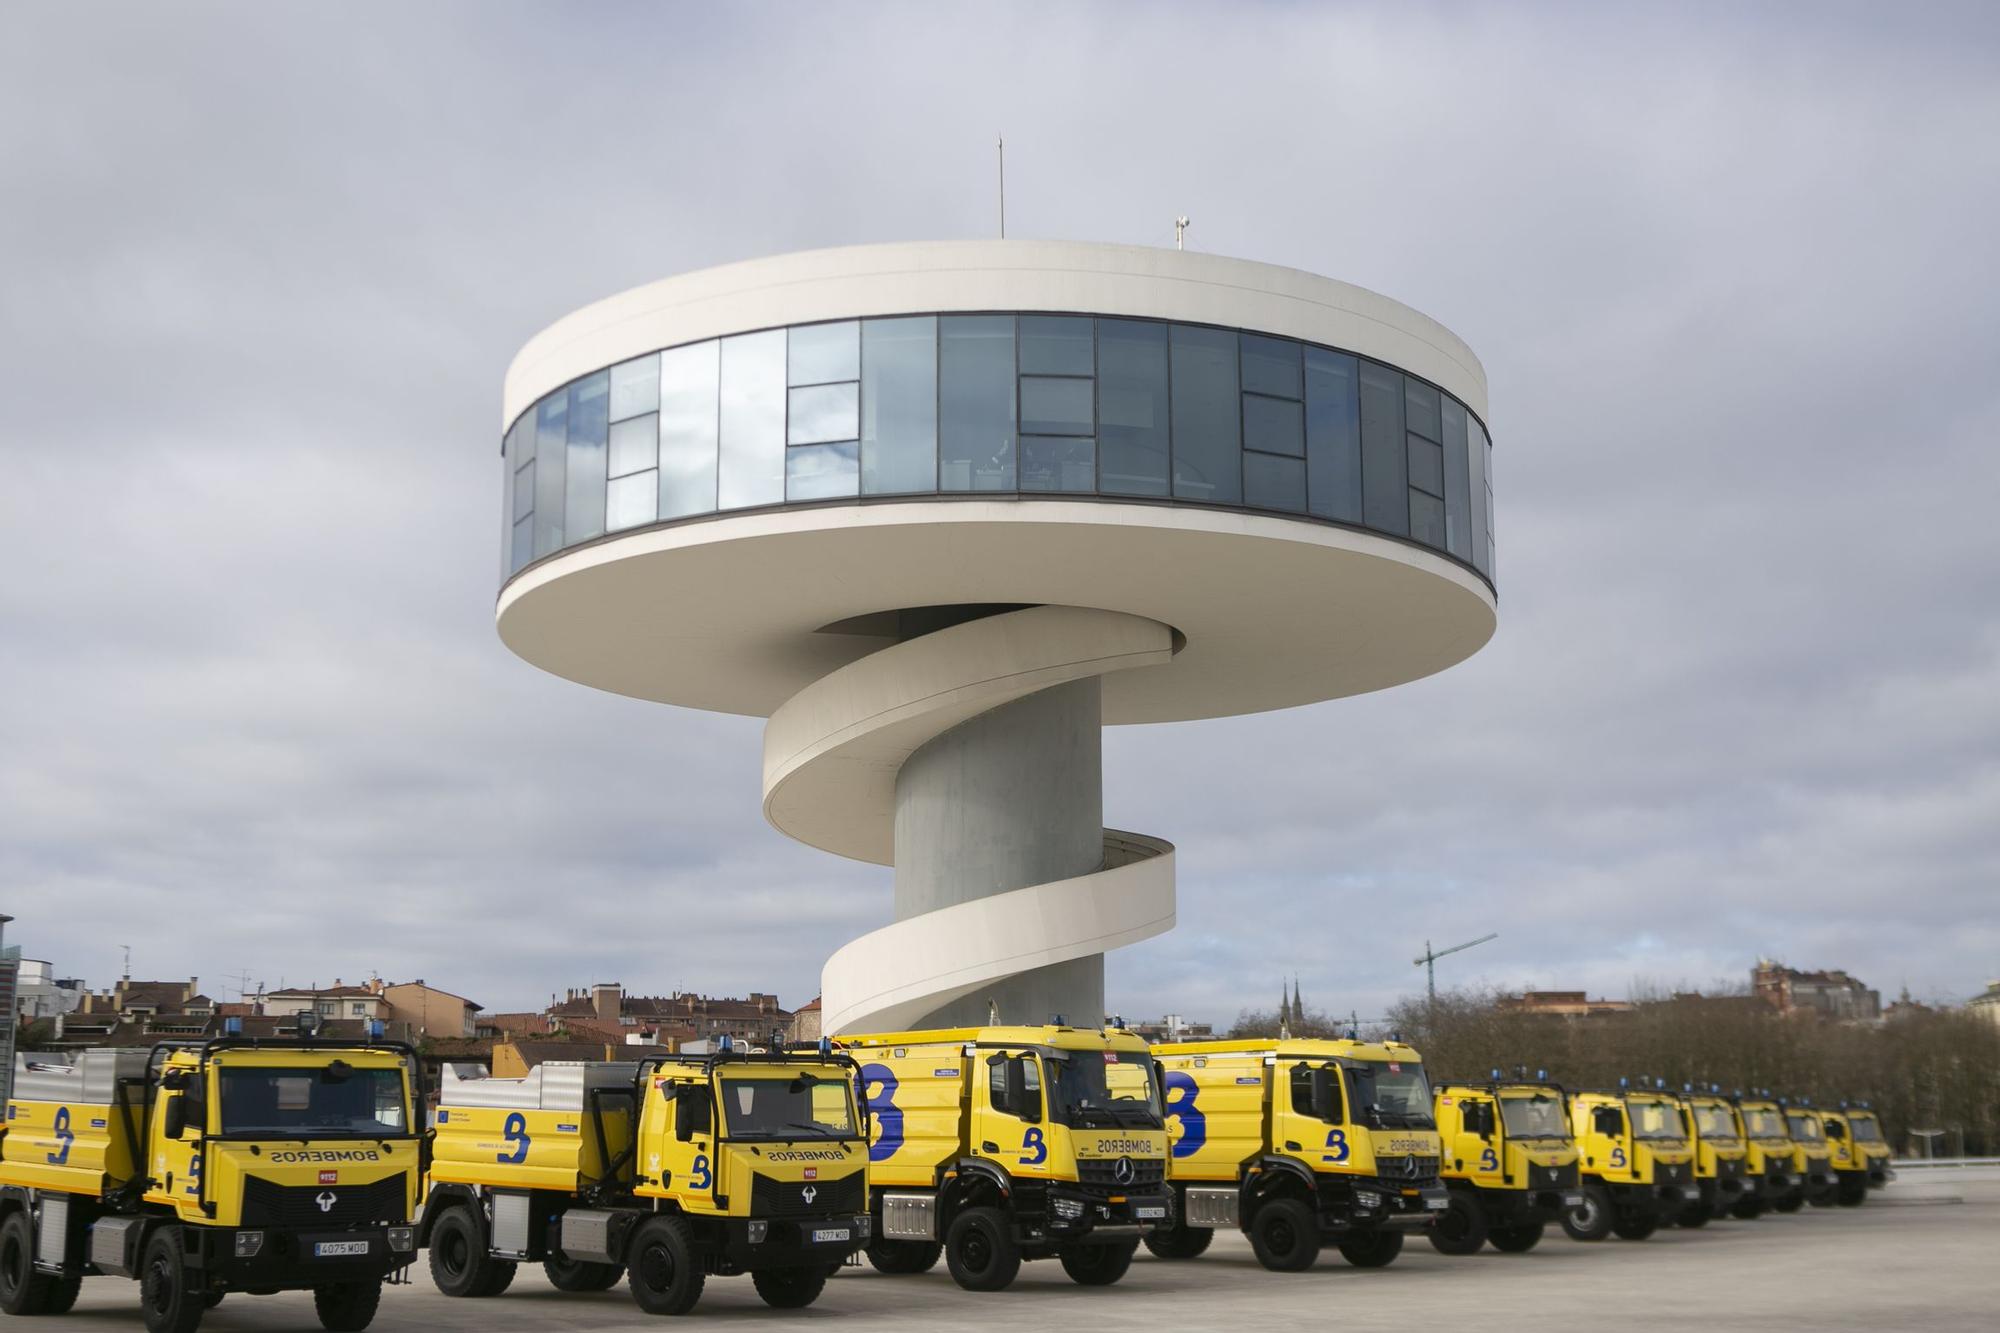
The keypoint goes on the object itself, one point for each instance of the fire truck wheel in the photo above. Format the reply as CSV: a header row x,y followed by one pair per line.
x,y
567,1274
1097,1265
347,1307
22,1290
1284,1235
1461,1228
1747,1209
1854,1193
899,1257
213,1299
665,1274
62,1293
1634,1226
171,1303
1371,1249
1791,1202
1182,1242
1516,1239
788,1288
979,1249
460,1265
1591,1219
1694,1215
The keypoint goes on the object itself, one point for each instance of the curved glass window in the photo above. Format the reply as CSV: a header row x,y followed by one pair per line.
x,y
998,404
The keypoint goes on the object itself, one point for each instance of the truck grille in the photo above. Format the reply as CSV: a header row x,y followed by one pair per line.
x,y
1406,1168
1145,1171
1676,1173
770,1197
329,1207
1551,1177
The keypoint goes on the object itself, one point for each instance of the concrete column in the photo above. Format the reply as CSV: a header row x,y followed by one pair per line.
x,y
1011,798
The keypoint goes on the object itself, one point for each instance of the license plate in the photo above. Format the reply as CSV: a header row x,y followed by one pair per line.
x,y
1150,1214
340,1249
1436,1204
1572,1200
825,1234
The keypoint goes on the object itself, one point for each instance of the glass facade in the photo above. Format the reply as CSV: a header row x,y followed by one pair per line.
x,y
998,404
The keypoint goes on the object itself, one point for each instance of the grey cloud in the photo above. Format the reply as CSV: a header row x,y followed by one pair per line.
x,y
1730,275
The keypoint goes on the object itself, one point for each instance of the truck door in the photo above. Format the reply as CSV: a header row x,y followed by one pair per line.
x,y
687,1147
1478,1143
176,1159
1010,1124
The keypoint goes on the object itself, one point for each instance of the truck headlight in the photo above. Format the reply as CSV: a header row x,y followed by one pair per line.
x,y
1367,1199
403,1239
1067,1209
759,1230
248,1243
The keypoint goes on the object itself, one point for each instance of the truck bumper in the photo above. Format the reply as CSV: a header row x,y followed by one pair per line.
x,y
1374,1204
285,1259
1076,1216
795,1242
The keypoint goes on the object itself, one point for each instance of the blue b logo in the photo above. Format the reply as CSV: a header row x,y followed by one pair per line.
x,y
515,1131
882,1106
1181,1093
64,1137
1032,1143
699,1175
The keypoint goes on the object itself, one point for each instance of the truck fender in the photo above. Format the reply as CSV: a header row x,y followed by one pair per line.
x,y
1279,1175
442,1197
976,1177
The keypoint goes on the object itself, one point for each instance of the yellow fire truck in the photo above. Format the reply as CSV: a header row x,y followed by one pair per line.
x,y
1860,1156
1812,1160
1720,1156
1299,1142
667,1170
1012,1143
200,1169
1509,1164
1770,1177
1638,1167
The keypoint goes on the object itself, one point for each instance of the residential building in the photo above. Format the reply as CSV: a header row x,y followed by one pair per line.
x,y
805,1022
129,998
1560,1004
427,1010
1832,994
1172,1027
682,1015
1987,1003
335,1001
39,993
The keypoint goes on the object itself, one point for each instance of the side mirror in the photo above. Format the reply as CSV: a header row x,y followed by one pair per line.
x,y
175,1122
691,1113
1479,1119
1325,1097
1021,1101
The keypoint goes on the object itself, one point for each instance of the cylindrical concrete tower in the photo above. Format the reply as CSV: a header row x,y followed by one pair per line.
x,y
941,511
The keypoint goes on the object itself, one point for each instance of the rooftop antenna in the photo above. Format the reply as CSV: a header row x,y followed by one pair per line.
x,y
128,960
1000,143
1429,961
1180,227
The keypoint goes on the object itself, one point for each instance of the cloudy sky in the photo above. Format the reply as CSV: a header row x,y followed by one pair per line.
x,y
1733,280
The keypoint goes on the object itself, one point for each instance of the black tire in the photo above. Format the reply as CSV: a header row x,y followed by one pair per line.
x,y
1629,1225
663,1271
347,1307
1790,1203
899,1257
171,1303
1516,1239
63,1291
1589,1221
979,1249
1694,1215
460,1265
1284,1235
566,1274
1462,1227
23,1291
1748,1208
1180,1242
789,1288
1823,1196
1371,1249
1097,1265
213,1299
1853,1191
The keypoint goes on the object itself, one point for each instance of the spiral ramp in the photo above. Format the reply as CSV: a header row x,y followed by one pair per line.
x,y
835,756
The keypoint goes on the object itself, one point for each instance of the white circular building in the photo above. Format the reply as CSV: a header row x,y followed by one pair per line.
x,y
940,511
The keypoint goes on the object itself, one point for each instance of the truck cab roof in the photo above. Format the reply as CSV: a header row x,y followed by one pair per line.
x,y
1296,1048
1060,1038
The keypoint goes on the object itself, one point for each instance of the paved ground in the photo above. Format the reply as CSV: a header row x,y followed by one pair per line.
x,y
1925,1253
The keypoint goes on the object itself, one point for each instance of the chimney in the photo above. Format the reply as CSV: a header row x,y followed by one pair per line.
x,y
607,999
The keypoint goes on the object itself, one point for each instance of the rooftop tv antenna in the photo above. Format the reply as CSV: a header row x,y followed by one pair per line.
x,y
1429,961
128,960
1180,229
1000,142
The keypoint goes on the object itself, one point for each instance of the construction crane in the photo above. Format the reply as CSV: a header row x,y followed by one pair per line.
x,y
1429,961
